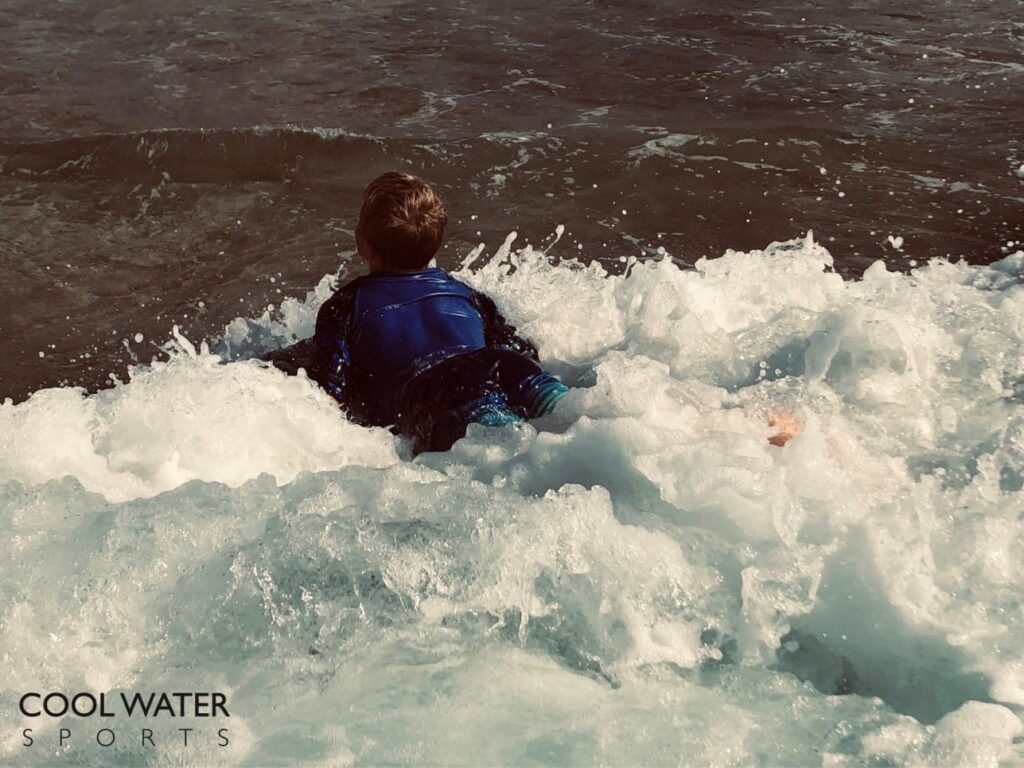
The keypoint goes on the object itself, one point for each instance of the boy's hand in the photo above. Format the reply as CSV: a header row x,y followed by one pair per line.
x,y
787,426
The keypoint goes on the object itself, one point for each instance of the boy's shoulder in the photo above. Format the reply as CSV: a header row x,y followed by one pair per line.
x,y
340,304
432,276
343,302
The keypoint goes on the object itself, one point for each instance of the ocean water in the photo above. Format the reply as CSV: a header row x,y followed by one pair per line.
x,y
170,161
639,578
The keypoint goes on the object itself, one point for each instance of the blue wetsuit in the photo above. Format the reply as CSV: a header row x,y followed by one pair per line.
x,y
426,355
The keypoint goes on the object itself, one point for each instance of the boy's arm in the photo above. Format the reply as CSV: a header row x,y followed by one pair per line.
x,y
331,359
498,332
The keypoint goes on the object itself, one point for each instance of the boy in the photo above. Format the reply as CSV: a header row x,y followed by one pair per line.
x,y
412,348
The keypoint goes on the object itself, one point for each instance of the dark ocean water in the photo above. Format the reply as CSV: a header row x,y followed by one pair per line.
x,y
168,162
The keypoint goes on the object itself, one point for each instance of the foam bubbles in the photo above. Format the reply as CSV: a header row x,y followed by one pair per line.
x,y
639,575
188,418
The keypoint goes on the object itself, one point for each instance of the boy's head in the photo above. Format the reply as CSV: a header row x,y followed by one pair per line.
x,y
401,223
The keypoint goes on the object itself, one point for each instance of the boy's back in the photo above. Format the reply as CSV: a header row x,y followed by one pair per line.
x,y
411,347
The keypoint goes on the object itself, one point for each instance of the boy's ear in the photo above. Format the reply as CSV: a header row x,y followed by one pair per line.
x,y
362,247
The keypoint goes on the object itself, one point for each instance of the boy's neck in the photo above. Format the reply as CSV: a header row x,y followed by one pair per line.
x,y
375,269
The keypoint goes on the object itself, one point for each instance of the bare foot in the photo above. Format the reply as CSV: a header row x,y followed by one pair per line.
x,y
787,425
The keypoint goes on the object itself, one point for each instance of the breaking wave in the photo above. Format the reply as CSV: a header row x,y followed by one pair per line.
x,y
197,156
640,578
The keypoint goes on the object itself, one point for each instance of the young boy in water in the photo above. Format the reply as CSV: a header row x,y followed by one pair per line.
x,y
410,347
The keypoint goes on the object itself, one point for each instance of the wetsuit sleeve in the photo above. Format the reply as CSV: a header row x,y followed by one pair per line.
x,y
498,333
331,363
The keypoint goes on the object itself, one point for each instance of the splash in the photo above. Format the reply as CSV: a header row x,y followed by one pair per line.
x,y
640,578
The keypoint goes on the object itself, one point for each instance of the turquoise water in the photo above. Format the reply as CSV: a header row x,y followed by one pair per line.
x,y
640,578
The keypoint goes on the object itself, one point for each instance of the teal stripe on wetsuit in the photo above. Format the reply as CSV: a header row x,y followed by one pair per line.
x,y
537,395
541,392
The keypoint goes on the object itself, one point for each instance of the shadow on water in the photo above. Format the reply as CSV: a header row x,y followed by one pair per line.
x,y
856,641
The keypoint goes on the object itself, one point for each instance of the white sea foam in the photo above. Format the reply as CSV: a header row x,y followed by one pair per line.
x,y
638,579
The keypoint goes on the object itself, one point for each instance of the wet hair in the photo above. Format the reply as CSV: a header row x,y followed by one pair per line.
x,y
403,220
